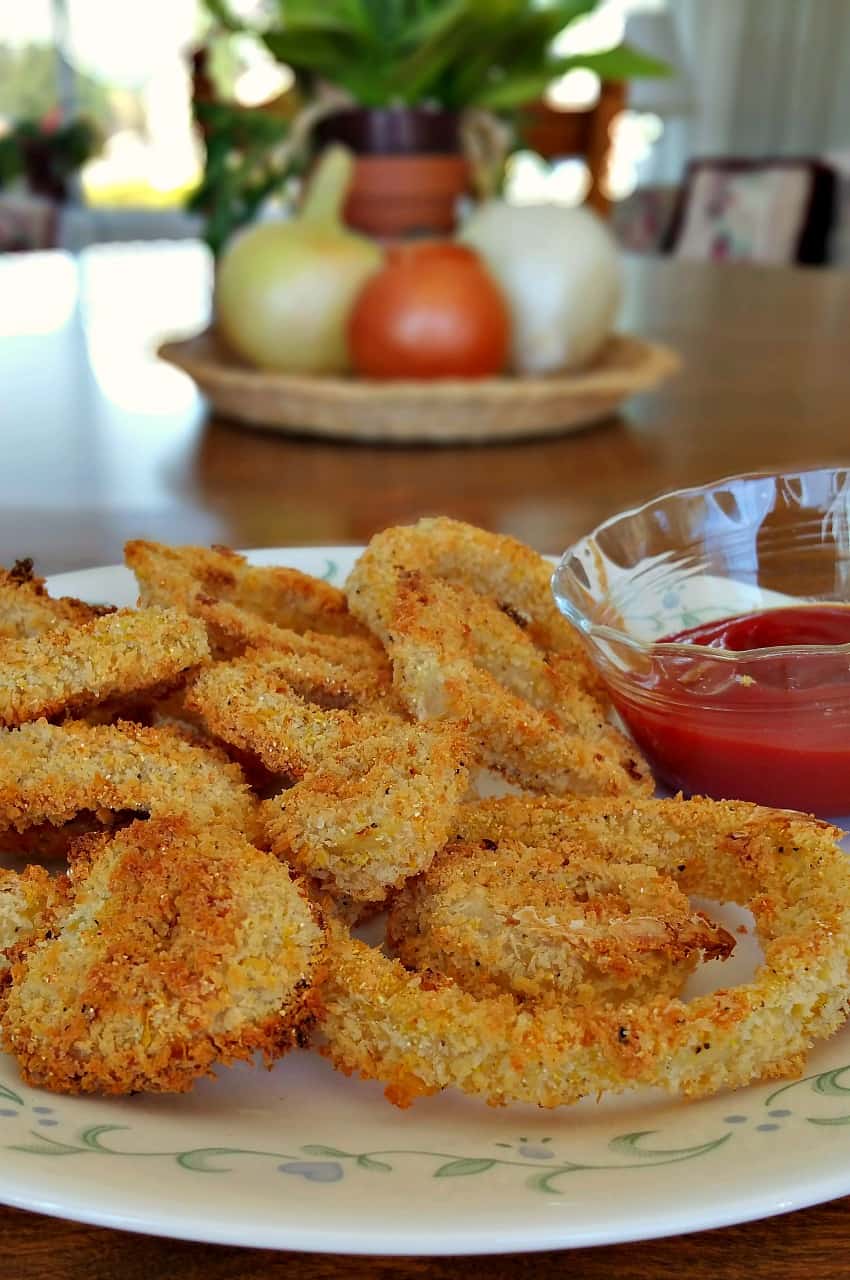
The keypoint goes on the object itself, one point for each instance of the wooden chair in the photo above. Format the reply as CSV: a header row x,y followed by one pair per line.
x,y
557,134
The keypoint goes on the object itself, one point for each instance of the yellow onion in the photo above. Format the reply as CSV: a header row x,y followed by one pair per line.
x,y
284,290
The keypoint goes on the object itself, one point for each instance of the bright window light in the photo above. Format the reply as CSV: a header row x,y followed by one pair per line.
x,y
578,90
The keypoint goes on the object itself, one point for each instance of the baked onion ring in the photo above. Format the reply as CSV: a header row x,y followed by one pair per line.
x,y
420,1033
50,773
241,604
26,608
375,813
455,655
293,713
492,564
171,949
25,900
71,669
550,921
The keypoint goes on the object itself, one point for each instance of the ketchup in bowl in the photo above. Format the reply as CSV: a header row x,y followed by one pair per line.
x,y
806,624
773,728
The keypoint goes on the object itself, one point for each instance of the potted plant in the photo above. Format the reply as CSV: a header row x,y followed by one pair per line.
x,y
46,154
418,89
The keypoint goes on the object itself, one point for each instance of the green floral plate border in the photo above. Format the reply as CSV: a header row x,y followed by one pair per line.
x,y
302,1158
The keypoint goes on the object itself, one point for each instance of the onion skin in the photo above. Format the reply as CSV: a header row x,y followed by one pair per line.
x,y
434,311
284,290
560,272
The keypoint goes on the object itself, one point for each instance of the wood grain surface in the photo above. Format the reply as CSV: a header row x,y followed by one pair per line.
x,y
101,443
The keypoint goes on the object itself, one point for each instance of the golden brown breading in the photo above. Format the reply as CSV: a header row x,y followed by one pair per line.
x,y
457,656
25,901
419,1035
684,835
496,566
49,773
292,713
473,634
48,843
173,950
551,921
234,631
71,669
375,813
241,604
26,608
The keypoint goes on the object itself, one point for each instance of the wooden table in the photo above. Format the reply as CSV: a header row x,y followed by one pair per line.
x,y
99,443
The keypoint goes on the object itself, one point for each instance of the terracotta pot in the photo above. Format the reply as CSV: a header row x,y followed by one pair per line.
x,y
406,195
410,171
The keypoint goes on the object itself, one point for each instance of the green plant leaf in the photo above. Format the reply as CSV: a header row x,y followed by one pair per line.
x,y
316,51
464,1168
516,47
621,63
221,11
513,91
347,17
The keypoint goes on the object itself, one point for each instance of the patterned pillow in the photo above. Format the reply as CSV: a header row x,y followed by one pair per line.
x,y
768,211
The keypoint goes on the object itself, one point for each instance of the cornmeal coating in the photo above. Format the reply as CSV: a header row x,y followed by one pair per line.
x,y
173,950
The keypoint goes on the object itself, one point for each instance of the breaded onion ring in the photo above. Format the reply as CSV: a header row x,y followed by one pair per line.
x,y
26,608
173,950
292,713
457,656
71,669
420,1034
374,813
496,566
48,843
50,773
25,901
550,922
241,604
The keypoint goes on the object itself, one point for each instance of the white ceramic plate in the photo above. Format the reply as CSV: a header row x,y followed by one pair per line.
x,y
302,1158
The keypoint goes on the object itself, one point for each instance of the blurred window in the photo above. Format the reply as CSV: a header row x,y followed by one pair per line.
x,y
125,66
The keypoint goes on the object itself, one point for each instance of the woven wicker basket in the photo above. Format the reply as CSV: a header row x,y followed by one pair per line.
x,y
440,411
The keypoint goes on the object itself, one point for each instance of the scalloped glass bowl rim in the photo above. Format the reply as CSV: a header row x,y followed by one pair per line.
x,y
673,648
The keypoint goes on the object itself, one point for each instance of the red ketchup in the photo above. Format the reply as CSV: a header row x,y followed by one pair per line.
x,y
774,730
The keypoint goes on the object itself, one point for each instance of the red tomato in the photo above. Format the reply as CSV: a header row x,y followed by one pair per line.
x,y
432,311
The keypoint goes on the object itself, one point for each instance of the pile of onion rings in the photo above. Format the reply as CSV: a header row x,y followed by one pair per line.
x,y
213,788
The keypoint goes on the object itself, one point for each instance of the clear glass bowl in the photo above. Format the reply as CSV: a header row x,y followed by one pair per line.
x,y
768,724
